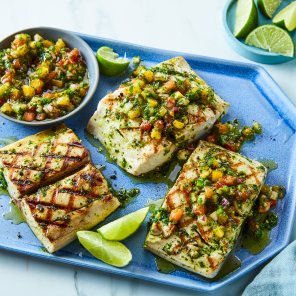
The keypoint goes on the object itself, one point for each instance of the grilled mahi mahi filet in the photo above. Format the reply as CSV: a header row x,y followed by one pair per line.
x,y
55,213
41,159
145,120
203,213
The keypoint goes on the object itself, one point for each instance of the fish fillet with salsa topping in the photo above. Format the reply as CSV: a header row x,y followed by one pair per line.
x,y
202,216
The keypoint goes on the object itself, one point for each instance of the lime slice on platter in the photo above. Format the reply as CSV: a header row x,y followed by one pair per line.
x,y
272,39
246,18
125,226
110,64
286,18
268,7
110,252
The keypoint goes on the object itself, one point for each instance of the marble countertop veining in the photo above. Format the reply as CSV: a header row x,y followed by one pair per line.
x,y
191,26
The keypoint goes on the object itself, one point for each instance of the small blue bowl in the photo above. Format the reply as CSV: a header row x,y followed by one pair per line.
x,y
250,52
72,41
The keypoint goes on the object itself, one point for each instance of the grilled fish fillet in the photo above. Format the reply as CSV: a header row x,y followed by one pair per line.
x,y
171,94
214,194
41,159
55,213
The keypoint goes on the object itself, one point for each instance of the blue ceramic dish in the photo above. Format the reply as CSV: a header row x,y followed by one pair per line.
x,y
250,52
72,41
253,95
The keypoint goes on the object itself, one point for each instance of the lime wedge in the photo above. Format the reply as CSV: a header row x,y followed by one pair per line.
x,y
273,39
268,7
110,252
246,18
125,226
286,18
110,64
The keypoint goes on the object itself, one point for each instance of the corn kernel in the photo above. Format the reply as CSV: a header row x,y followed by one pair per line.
x,y
148,75
134,113
172,113
28,91
218,231
156,134
178,124
216,175
152,102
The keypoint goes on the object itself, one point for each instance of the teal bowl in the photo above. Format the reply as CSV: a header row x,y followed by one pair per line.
x,y
72,41
250,52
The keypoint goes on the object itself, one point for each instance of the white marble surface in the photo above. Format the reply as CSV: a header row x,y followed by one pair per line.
x,y
192,26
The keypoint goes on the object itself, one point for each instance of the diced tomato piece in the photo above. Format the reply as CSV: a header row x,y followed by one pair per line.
x,y
159,124
252,224
208,192
48,95
170,103
51,75
186,191
242,195
220,184
170,85
32,109
146,125
40,116
19,42
187,83
38,66
16,64
38,91
29,116
73,56
264,207
273,203
232,146
61,63
212,139
229,180
199,210
176,214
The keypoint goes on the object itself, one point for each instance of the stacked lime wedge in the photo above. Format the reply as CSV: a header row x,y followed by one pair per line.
x,y
110,64
104,245
268,7
272,39
110,252
125,226
246,18
286,18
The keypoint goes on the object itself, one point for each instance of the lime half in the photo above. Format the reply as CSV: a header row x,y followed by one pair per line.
x,y
110,64
286,18
246,18
272,39
110,252
268,7
125,226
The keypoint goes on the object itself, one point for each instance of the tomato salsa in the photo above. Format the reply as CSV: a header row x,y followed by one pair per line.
x,y
41,79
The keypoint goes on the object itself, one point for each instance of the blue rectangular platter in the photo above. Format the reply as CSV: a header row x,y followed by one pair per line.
x,y
253,95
